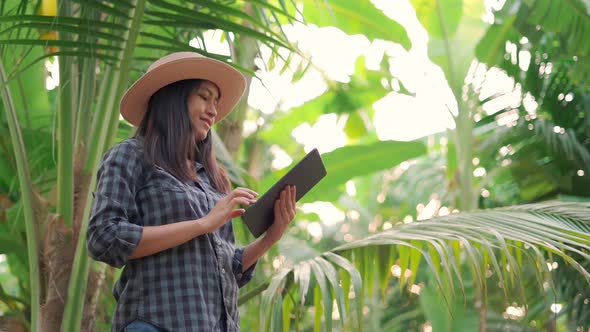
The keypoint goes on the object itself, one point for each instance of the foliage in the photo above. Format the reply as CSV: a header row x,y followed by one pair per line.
x,y
58,136
456,36
454,255
403,257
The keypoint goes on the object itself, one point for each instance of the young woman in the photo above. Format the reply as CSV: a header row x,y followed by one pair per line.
x,y
162,204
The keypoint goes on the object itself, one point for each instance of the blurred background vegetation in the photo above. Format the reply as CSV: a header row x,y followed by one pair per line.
x,y
455,133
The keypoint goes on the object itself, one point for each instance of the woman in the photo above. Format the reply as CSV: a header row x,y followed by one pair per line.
x,y
162,204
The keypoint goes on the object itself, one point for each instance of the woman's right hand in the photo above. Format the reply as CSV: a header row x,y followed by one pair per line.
x,y
225,209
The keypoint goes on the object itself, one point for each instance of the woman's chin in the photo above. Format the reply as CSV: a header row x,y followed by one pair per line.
x,y
201,136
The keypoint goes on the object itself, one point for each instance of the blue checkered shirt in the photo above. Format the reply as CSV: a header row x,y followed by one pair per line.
x,y
192,287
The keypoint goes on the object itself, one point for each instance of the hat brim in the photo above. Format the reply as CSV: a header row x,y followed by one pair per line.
x,y
231,84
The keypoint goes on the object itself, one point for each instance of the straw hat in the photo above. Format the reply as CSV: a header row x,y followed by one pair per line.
x,y
180,66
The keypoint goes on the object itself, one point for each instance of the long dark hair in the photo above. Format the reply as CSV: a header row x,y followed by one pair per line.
x,y
169,138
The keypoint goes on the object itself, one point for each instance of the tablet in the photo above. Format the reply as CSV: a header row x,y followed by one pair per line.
x,y
305,175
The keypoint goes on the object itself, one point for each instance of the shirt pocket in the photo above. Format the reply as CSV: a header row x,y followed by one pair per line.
x,y
161,202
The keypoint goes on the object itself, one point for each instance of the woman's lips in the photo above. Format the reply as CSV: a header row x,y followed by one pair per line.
x,y
209,122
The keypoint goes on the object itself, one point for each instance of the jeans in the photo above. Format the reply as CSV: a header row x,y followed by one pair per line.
x,y
141,326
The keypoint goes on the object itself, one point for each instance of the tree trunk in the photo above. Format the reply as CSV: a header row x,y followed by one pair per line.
x,y
254,160
12,324
93,292
482,309
464,146
230,129
81,187
58,255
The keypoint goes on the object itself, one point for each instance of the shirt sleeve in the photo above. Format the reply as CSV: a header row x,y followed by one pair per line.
x,y
242,277
112,233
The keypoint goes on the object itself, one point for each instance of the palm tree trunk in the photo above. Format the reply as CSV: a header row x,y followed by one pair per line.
x,y
12,324
58,254
95,286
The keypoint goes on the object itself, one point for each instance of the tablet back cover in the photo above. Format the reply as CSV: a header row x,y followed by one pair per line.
x,y
306,174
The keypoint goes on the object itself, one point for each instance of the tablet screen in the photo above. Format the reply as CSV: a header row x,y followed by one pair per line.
x,y
305,175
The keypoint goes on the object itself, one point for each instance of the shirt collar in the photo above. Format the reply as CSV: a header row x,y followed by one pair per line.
x,y
198,166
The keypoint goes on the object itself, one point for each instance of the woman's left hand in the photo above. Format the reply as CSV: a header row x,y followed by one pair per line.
x,y
284,210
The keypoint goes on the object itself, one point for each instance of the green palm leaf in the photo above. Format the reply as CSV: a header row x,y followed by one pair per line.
x,y
519,236
161,18
51,23
356,17
569,19
109,8
551,147
567,22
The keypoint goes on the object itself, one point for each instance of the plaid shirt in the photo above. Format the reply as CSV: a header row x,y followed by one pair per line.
x,y
192,287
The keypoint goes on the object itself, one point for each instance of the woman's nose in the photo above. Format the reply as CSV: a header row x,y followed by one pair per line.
x,y
212,109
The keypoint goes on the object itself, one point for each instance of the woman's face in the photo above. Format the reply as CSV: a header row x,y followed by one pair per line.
x,y
202,108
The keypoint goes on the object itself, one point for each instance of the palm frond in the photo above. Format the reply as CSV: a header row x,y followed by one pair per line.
x,y
539,135
168,25
115,9
504,243
568,20
565,142
549,143
29,200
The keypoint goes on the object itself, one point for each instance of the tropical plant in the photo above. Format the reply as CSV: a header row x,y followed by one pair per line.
x,y
474,264
455,29
100,47
454,256
549,121
541,150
